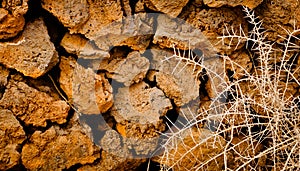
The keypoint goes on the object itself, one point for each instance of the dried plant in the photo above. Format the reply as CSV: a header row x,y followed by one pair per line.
x,y
259,124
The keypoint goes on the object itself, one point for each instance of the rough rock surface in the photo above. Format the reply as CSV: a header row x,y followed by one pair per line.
x,y
178,82
129,70
3,76
27,54
106,28
4,73
191,152
240,64
218,3
11,18
140,103
82,47
58,149
106,43
172,8
90,93
133,31
71,13
177,33
32,106
123,147
211,23
86,17
110,12
138,110
279,14
139,6
111,162
12,136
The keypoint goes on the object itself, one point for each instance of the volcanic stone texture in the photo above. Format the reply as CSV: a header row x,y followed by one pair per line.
x,y
32,106
177,33
239,63
171,8
140,103
12,20
139,109
32,54
58,149
177,80
233,3
190,151
12,136
211,22
71,13
103,22
129,70
89,92
111,162
82,47
86,17
278,15
4,73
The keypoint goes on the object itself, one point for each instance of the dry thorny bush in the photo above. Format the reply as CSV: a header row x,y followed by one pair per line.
x,y
259,124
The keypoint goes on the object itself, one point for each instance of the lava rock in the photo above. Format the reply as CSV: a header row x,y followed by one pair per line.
x,y
27,54
82,47
58,149
211,22
129,70
12,19
178,80
218,3
32,106
171,8
89,92
12,136
192,148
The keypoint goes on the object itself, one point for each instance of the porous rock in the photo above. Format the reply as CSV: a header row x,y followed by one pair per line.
x,y
212,22
27,54
11,18
279,16
115,157
32,106
82,47
175,78
129,70
140,103
240,63
101,14
126,7
138,110
172,8
3,76
86,17
89,92
71,13
4,73
194,148
233,3
12,136
139,6
58,149
177,33
133,31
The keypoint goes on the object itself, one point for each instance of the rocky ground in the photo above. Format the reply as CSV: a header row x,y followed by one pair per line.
x,y
85,85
